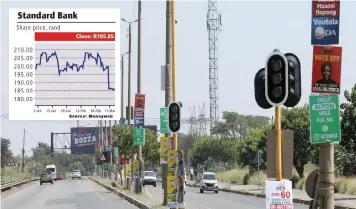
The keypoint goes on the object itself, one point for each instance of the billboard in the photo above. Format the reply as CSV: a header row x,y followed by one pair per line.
x,y
325,22
326,72
84,139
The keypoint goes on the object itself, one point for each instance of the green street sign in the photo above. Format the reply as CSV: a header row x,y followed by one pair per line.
x,y
324,113
139,136
164,120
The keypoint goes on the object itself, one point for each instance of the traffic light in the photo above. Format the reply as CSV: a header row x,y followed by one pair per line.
x,y
106,155
52,145
174,116
276,82
260,96
294,80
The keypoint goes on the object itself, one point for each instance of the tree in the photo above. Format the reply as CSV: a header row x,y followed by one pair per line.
x,y
297,119
346,156
209,150
250,145
236,126
5,151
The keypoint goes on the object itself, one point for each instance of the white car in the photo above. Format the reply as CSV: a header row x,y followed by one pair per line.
x,y
209,182
150,178
76,174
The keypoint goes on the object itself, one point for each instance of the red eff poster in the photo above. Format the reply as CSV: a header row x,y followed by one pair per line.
x,y
139,101
326,74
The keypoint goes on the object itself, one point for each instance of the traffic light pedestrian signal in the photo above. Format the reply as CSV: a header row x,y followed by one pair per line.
x,y
174,116
294,80
276,82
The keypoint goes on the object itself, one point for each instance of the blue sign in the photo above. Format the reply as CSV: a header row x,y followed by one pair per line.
x,y
139,121
325,31
122,121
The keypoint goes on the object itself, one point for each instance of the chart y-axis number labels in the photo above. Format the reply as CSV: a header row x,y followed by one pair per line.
x,y
62,64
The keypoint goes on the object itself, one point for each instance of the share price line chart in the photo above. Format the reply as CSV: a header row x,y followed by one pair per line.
x,y
63,64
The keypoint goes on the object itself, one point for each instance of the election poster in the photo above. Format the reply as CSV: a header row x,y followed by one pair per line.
x,y
279,194
83,140
128,170
163,149
139,110
135,168
175,192
175,163
326,72
325,22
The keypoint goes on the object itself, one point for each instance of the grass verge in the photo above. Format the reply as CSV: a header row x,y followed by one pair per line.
x,y
9,174
344,185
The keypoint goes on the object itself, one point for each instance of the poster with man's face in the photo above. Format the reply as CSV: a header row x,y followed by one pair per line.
x,y
326,73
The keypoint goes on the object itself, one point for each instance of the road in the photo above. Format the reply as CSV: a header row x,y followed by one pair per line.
x,y
210,200
64,194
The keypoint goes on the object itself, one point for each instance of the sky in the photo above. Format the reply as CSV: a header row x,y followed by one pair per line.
x,y
250,32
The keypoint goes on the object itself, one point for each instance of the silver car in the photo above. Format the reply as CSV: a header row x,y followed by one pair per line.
x,y
209,182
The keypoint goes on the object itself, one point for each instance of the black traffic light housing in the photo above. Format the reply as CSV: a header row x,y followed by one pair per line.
x,y
260,96
52,144
294,80
276,82
174,116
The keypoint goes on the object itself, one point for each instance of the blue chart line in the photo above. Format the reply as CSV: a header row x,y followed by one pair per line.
x,y
87,56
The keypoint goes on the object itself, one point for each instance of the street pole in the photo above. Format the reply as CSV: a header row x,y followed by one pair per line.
x,y
23,151
168,88
278,136
174,87
122,87
129,81
326,176
139,80
102,144
106,140
110,145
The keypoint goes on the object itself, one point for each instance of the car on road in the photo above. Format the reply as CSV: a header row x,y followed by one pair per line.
x,y
46,177
53,170
60,176
209,182
76,174
149,178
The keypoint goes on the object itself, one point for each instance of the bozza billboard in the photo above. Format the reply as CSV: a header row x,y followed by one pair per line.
x,y
83,140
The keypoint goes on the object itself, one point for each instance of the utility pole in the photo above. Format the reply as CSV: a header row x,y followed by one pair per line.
x,y
102,144
122,87
23,151
326,176
110,145
139,84
129,81
174,87
168,88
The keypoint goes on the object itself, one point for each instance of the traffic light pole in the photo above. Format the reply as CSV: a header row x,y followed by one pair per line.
x,y
278,137
326,176
168,89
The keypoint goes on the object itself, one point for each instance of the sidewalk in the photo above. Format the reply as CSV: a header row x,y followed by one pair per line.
x,y
342,201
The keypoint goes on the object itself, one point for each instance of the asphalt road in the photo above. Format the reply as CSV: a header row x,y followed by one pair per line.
x,y
64,194
209,200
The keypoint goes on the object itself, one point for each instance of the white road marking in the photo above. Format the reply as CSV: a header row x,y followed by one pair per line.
x,y
100,196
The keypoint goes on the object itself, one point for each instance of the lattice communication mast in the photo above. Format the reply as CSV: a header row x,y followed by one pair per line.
x,y
214,24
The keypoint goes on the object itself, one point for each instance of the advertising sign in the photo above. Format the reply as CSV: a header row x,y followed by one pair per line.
x,y
83,140
279,194
326,73
325,22
164,120
175,192
139,110
128,170
163,149
139,136
324,113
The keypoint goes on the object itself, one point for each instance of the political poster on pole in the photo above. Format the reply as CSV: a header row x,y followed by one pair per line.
x,y
279,194
139,110
163,149
326,72
325,22
175,192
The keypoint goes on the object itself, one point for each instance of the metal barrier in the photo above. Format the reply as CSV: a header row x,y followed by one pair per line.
x,y
11,184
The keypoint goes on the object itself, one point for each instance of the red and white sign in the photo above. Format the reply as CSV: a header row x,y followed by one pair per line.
x,y
11,162
279,194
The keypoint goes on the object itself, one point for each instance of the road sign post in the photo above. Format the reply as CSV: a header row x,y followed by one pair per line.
x,y
139,136
164,120
324,118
